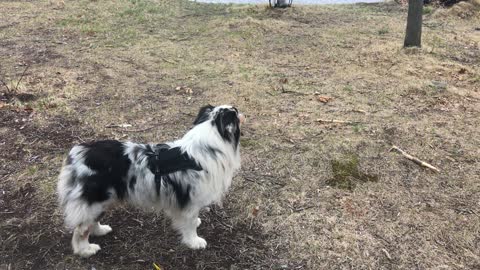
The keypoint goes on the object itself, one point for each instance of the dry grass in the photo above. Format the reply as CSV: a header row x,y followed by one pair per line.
x,y
110,62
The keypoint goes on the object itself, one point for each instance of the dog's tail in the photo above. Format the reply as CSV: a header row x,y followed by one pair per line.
x,y
69,193
65,184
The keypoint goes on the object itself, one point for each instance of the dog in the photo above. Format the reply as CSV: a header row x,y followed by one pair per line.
x,y
178,178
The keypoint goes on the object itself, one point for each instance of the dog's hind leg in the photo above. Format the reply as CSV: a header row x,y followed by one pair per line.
x,y
80,243
186,222
100,230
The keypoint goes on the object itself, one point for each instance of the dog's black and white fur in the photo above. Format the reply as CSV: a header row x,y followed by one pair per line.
x,y
179,177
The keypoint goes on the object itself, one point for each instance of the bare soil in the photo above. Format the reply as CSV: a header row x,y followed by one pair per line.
x,y
310,195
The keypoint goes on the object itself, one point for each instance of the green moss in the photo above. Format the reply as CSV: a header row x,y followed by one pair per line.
x,y
346,174
427,10
383,31
244,142
348,88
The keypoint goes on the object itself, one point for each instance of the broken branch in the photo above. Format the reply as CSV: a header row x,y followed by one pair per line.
x,y
414,159
336,121
21,77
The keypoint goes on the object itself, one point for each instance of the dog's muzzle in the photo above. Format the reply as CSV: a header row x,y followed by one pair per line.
x,y
242,118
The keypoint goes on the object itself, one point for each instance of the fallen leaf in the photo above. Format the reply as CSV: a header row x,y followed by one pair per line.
x,y
156,266
324,99
28,109
255,211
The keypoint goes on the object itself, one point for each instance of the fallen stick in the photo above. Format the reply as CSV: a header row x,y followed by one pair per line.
x,y
138,130
359,111
414,159
336,121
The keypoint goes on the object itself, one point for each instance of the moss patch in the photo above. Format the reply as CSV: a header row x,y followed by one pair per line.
x,y
346,174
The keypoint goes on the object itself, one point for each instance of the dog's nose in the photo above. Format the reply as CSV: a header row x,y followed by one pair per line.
x,y
242,118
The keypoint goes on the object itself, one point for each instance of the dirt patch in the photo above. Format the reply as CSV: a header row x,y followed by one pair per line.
x,y
33,239
24,140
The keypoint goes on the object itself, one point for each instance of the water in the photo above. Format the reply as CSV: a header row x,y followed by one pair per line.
x,y
295,2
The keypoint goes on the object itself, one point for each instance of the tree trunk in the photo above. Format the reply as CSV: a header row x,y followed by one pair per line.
x,y
413,36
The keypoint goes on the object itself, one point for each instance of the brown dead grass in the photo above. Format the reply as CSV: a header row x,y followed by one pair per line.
x,y
111,62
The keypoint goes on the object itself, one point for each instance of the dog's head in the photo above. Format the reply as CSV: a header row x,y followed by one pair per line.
x,y
225,118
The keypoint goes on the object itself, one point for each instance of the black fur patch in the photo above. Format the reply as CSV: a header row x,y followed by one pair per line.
x,y
73,178
213,152
110,164
164,161
69,160
182,193
224,119
203,114
133,181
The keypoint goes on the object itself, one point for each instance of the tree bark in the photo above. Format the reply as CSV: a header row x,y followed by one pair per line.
x,y
413,36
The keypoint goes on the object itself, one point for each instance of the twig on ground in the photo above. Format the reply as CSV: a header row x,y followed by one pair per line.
x,y
387,254
21,77
118,126
79,138
129,130
48,250
263,182
359,111
300,209
169,61
251,180
138,130
414,159
270,94
336,121
219,220
283,91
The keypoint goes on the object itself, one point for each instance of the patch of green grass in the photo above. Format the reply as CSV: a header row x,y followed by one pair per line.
x,y
346,174
358,127
140,10
437,42
348,88
383,31
32,170
86,24
427,10
247,143
476,79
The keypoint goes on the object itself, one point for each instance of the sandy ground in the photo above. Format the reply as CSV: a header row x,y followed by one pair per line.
x,y
329,195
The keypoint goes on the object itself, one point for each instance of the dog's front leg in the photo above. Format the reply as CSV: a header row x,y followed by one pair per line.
x,y
80,243
186,223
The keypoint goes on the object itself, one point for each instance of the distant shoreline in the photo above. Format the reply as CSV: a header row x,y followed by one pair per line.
x,y
296,2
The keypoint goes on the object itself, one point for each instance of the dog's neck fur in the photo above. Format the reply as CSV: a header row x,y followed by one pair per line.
x,y
216,155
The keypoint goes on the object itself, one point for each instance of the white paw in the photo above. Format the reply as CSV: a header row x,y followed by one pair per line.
x,y
195,243
88,251
101,230
198,222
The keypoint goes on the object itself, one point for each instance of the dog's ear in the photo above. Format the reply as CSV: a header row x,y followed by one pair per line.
x,y
203,114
